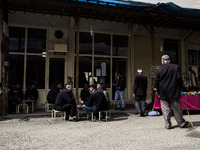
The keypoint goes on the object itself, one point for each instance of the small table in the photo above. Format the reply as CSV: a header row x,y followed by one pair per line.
x,y
32,102
192,102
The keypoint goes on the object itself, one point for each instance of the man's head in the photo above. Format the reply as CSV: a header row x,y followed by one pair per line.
x,y
93,87
139,71
69,87
165,59
119,74
59,84
99,87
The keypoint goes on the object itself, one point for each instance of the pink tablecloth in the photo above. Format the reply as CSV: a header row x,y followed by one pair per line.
x,y
192,102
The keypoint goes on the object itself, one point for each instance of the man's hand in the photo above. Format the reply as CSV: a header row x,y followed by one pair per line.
x,y
81,101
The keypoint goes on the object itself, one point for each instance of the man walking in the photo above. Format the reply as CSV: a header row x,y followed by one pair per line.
x,y
140,92
168,84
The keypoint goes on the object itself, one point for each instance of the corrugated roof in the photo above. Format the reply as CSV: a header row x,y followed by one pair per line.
x,y
166,15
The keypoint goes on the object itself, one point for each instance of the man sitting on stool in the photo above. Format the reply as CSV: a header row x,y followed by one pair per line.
x,y
65,101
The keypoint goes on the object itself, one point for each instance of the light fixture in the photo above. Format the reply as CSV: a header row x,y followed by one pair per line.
x,y
44,54
91,31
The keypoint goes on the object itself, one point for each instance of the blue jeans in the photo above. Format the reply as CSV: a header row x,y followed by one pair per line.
x,y
88,110
121,94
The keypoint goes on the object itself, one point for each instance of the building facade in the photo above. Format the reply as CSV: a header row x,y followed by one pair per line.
x,y
42,48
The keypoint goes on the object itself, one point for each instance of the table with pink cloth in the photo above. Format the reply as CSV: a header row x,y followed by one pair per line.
x,y
192,102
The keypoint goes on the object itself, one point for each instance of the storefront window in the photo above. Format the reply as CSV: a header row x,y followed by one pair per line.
x,y
16,69
85,71
35,71
56,70
102,71
85,46
120,45
102,44
16,39
36,40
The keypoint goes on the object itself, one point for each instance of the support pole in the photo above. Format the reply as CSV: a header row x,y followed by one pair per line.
x,y
77,19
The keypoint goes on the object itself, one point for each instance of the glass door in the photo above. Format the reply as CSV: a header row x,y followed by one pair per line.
x,y
56,70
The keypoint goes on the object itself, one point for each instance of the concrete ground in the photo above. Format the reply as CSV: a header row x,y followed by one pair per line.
x,y
123,131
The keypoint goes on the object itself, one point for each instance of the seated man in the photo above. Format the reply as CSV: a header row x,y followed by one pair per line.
x,y
15,96
96,102
51,96
85,93
105,92
31,93
65,101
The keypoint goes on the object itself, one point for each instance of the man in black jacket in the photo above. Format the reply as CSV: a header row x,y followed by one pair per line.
x,y
121,84
96,102
140,92
65,101
51,96
169,84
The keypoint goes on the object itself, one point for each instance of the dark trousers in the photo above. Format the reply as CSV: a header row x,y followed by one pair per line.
x,y
177,110
69,108
140,104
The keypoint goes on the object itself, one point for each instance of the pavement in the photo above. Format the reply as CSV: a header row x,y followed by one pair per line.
x,y
123,131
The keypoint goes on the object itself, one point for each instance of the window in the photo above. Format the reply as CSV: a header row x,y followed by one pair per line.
x,y
120,45
85,46
56,70
16,39
18,51
16,70
36,40
102,71
96,66
35,71
85,71
102,44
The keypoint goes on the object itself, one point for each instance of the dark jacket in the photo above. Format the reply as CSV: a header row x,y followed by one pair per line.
x,y
64,97
121,85
169,81
140,86
51,96
97,99
15,95
31,93
85,94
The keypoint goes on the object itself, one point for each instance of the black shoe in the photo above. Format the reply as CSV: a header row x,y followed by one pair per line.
x,y
122,109
168,127
118,108
142,114
137,113
184,125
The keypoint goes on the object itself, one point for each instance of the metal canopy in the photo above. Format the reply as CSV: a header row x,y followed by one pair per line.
x,y
111,10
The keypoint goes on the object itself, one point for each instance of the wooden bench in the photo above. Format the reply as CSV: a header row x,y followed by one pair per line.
x,y
108,115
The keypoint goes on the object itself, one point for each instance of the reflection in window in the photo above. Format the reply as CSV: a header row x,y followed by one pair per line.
x,y
36,40
85,46
35,71
120,45
16,39
56,70
102,71
102,44
16,69
192,57
85,71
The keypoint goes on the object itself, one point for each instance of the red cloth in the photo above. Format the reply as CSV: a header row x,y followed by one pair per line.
x,y
192,102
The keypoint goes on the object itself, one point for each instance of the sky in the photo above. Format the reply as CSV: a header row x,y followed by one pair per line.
x,y
182,3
